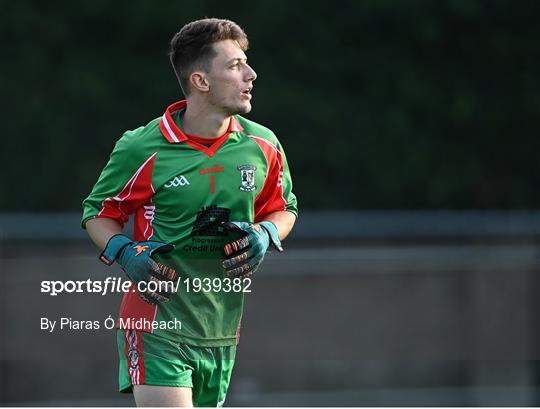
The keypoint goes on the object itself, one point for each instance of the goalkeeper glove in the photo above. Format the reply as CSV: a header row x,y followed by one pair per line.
x,y
136,261
243,256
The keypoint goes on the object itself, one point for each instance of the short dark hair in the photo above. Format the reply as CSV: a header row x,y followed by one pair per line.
x,y
191,48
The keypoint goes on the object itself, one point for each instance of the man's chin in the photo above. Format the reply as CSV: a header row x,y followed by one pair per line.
x,y
241,109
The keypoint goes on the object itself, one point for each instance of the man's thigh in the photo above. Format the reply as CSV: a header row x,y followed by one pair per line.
x,y
212,375
162,396
171,373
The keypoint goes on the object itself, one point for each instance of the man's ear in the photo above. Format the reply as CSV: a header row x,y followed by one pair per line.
x,y
199,81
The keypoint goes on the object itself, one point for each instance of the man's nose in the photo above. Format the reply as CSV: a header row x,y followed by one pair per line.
x,y
251,75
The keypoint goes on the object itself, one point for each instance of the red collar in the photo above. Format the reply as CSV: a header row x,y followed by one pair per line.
x,y
174,134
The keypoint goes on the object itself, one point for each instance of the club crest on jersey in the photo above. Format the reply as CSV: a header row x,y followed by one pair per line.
x,y
247,177
177,181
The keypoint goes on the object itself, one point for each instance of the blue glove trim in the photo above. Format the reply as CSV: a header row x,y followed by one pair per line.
x,y
273,233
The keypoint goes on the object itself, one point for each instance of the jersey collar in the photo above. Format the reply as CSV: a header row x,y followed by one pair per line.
x,y
173,134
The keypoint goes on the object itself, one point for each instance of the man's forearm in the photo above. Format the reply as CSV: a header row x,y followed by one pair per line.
x,y
284,221
101,229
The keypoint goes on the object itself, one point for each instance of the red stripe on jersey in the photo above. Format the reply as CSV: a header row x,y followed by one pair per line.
x,y
134,355
168,128
134,311
270,198
133,308
137,191
235,125
144,217
210,151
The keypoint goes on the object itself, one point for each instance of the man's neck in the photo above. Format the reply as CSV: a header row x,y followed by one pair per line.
x,y
201,121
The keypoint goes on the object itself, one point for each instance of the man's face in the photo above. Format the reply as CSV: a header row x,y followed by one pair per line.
x,y
231,79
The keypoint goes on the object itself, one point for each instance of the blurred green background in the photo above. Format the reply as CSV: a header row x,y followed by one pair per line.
x,y
380,104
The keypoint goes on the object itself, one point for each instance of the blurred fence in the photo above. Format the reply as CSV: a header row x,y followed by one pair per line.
x,y
329,224
370,308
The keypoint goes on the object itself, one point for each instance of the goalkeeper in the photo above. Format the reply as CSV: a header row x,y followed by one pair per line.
x,y
210,192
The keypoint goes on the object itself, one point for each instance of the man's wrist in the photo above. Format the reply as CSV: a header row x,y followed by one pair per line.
x,y
273,233
113,248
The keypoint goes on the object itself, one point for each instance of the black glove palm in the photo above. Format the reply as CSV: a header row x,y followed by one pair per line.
x,y
136,261
243,256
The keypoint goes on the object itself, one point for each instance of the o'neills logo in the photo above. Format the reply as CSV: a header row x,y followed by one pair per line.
x,y
177,181
213,169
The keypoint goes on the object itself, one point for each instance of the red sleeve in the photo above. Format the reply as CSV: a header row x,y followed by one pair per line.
x,y
270,199
135,196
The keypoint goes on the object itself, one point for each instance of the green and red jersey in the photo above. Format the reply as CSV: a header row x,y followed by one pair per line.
x,y
178,189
